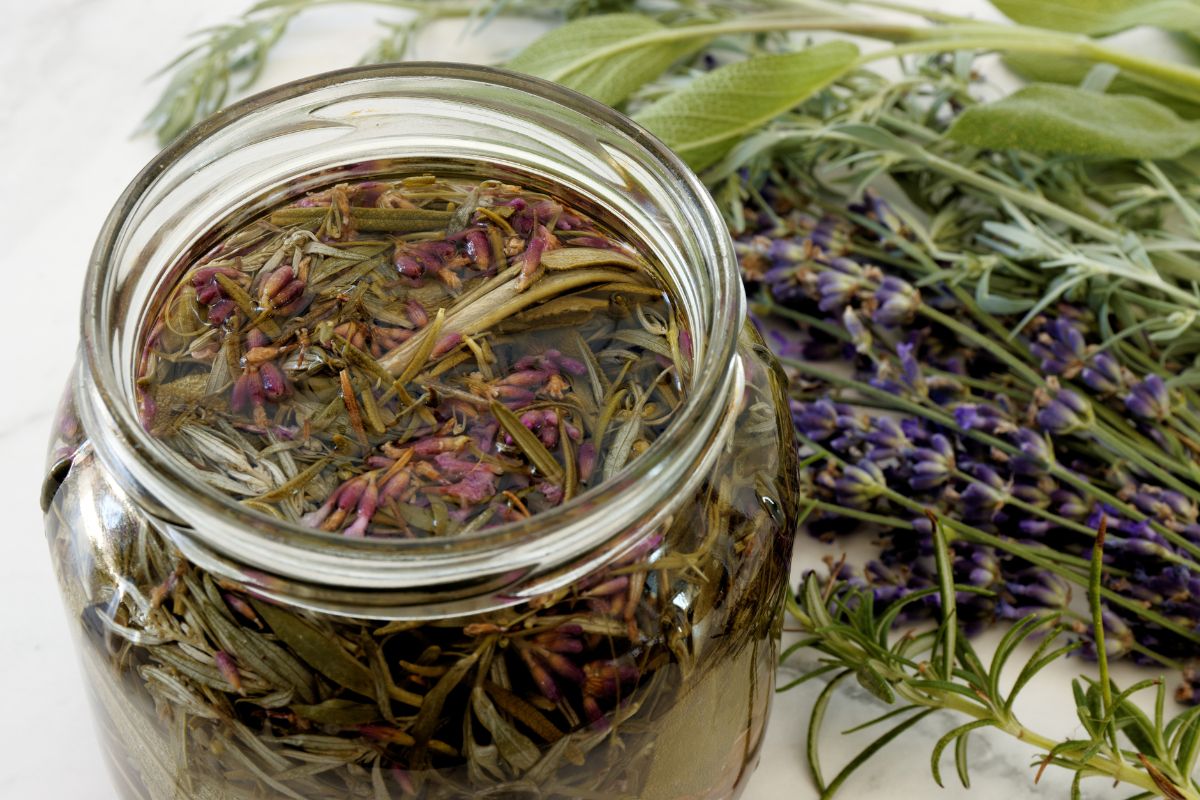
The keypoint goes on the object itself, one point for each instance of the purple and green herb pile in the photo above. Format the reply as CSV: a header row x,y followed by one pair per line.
x,y
413,358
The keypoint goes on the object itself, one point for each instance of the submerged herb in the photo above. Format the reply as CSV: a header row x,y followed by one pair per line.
x,y
468,368
413,357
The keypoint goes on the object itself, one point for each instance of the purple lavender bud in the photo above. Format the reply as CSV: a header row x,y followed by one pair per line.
x,y
1165,504
1031,494
1066,413
821,419
1069,504
888,439
274,384
835,290
981,500
1061,349
860,484
897,302
1149,399
859,335
1039,588
1034,445
830,235
1035,528
1103,375
788,252
988,419
933,465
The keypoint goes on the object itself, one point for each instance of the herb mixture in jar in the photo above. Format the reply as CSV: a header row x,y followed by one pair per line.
x,y
427,357
418,357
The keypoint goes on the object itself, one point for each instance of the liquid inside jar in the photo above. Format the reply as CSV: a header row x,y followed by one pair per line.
x,y
422,356
418,357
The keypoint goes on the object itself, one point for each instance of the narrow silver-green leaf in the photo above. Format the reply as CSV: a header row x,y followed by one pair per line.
x,y
704,119
1063,120
1096,17
607,57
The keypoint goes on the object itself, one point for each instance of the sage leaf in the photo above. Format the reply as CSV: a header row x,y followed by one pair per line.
x,y
703,120
1042,68
1097,17
1063,120
317,649
607,57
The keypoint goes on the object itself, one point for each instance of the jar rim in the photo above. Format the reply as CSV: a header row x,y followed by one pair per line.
x,y
395,562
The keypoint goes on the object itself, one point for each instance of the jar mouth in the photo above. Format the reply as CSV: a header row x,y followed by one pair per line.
x,y
237,534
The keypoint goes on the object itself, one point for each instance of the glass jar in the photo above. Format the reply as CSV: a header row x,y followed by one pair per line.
x,y
622,644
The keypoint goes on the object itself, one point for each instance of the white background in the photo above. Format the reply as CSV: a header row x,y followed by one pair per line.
x,y
73,86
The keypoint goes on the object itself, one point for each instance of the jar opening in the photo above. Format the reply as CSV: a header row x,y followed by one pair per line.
x,y
433,117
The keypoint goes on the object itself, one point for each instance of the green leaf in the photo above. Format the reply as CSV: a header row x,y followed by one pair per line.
x,y
870,750
704,119
958,734
607,57
1063,120
1096,17
1072,71
317,649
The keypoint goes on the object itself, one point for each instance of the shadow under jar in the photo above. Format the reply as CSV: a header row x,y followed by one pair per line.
x,y
617,643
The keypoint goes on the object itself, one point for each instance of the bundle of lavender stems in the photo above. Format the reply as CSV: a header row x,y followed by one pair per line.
x,y
1019,432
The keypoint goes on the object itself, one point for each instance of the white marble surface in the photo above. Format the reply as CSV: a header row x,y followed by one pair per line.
x,y
74,87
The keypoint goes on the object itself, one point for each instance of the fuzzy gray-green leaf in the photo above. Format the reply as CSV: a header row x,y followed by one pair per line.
x,y
1096,17
1063,120
607,57
1042,68
703,120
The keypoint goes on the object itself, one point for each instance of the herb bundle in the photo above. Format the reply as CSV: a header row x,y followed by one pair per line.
x,y
1019,321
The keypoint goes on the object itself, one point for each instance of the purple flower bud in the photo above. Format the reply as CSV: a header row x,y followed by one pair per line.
x,y
1069,504
1035,587
897,301
1149,399
1061,349
835,290
822,419
933,465
859,335
274,384
784,253
1066,413
1103,375
988,419
888,439
982,500
1165,504
860,484
1034,445
1035,528
830,235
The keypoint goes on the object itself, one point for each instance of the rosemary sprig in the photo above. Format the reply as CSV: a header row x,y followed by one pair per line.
x,y
840,622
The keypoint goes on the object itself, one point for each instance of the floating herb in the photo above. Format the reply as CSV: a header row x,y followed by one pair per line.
x,y
371,333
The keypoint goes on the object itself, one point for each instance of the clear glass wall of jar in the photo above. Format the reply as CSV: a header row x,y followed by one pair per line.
x,y
621,645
